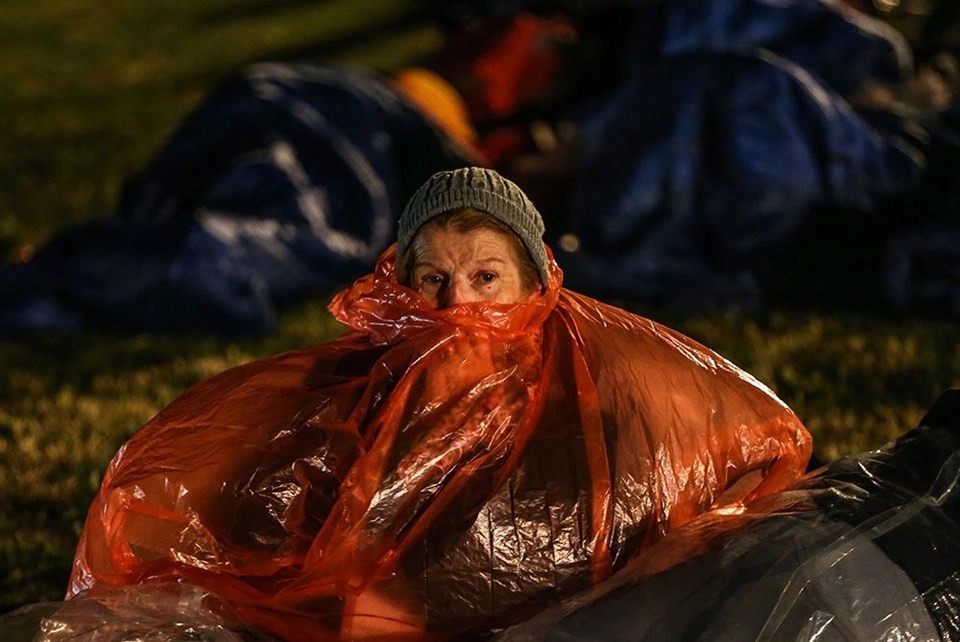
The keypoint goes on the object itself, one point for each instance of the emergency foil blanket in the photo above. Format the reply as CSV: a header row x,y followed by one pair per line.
x,y
435,474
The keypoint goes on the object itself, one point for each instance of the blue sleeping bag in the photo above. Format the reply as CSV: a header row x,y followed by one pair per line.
x,y
285,182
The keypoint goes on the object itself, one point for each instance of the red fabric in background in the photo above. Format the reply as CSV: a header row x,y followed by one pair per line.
x,y
435,472
506,64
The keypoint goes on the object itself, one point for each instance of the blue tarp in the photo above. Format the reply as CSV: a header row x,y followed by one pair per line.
x,y
284,183
678,190
729,137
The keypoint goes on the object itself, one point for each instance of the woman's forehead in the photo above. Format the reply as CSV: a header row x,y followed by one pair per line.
x,y
478,245
444,239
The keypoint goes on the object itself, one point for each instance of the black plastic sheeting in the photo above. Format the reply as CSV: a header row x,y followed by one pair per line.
x,y
870,552
156,612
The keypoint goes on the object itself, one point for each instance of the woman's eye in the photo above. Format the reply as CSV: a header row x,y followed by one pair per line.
x,y
432,279
487,277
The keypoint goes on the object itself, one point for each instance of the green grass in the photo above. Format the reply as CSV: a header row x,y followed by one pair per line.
x,y
92,89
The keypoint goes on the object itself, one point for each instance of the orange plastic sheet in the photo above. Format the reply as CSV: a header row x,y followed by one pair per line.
x,y
435,474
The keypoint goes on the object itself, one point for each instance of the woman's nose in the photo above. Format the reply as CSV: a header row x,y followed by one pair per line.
x,y
459,291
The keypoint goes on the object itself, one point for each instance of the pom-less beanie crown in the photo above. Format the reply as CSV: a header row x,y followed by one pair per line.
x,y
483,190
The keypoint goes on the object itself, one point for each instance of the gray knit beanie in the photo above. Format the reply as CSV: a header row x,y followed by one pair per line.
x,y
483,190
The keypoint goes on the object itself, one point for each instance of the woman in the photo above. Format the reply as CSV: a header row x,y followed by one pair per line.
x,y
483,443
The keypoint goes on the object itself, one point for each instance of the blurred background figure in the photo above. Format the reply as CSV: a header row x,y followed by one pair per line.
x,y
694,153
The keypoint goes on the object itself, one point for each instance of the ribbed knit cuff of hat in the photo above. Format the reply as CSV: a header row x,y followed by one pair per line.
x,y
483,190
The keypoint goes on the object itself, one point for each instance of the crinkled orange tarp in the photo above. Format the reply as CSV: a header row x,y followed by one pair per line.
x,y
435,472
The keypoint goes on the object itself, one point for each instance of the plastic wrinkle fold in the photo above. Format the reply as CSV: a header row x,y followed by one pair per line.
x,y
435,474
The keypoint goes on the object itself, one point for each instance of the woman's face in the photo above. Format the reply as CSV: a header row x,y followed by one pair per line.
x,y
451,267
